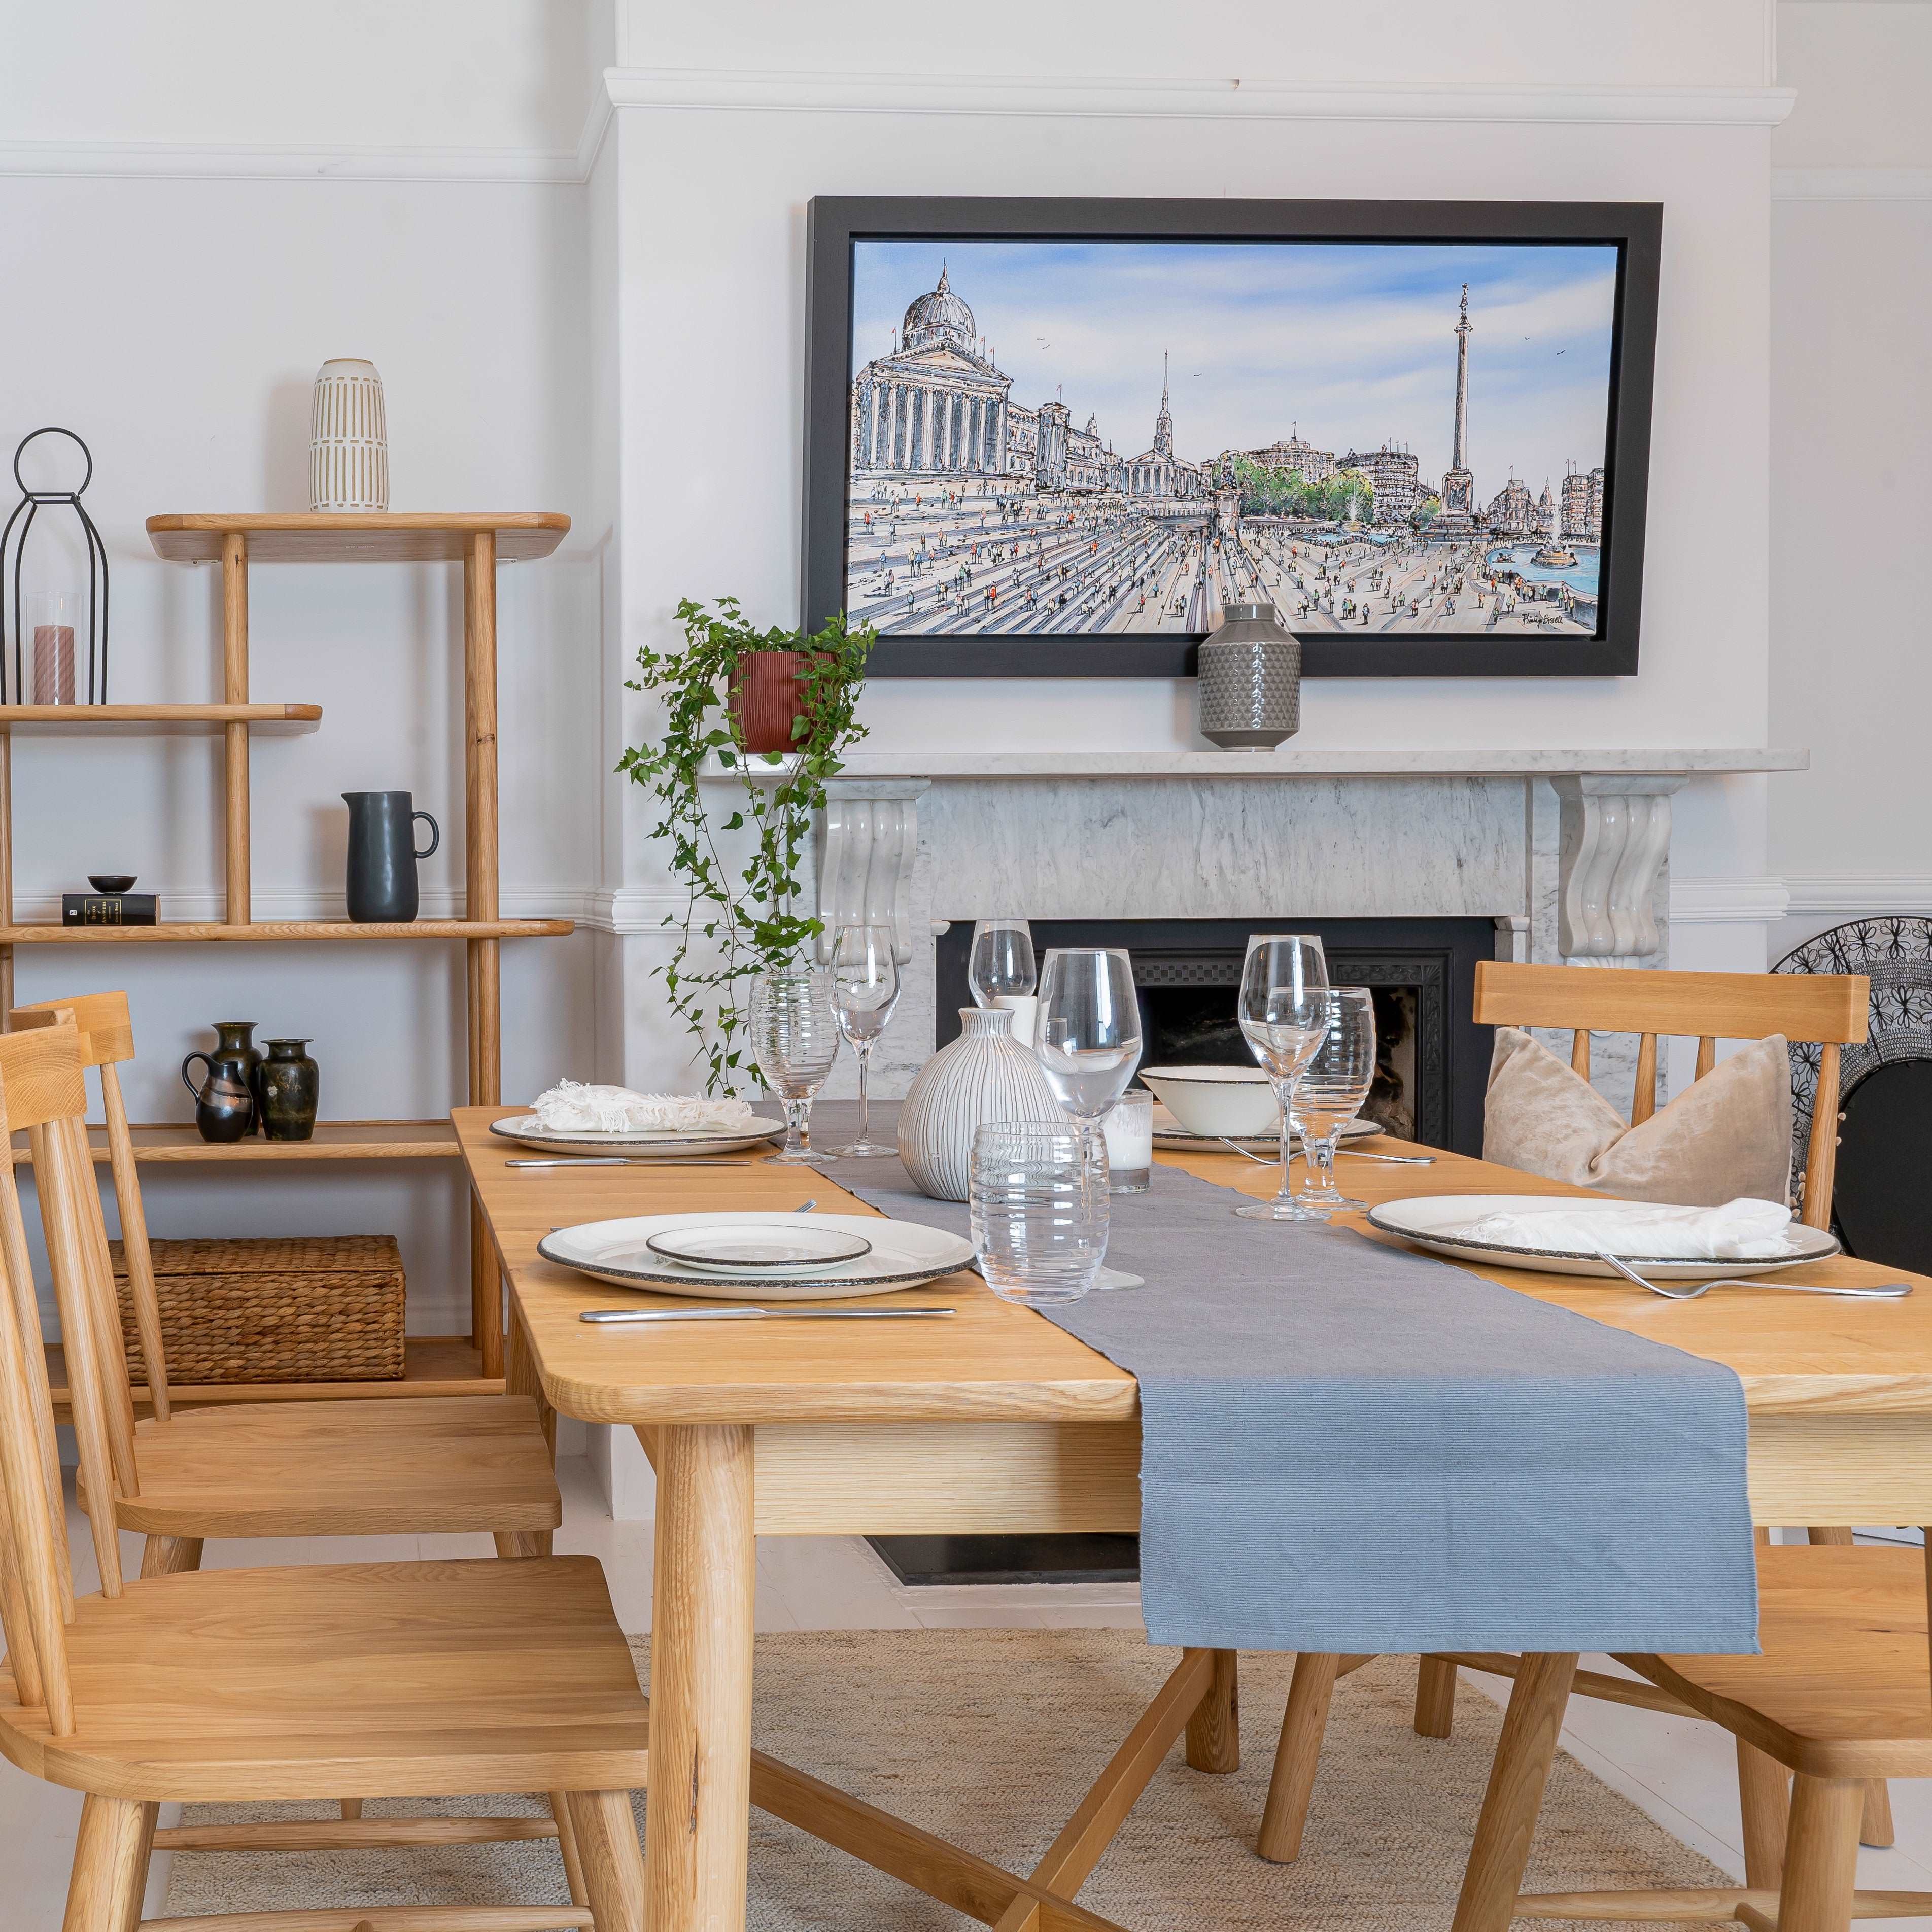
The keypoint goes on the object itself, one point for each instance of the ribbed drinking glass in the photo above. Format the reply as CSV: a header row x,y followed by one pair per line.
x,y
1330,1092
794,1040
1038,1208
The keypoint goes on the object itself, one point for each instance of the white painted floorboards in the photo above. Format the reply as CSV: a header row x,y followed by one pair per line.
x,y
1680,1772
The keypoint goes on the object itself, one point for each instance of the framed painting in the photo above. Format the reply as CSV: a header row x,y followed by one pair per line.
x,y
1057,438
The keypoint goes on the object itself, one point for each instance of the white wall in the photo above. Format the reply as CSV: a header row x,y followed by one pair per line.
x,y
1851,426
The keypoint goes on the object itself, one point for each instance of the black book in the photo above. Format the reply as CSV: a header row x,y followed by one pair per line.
x,y
107,909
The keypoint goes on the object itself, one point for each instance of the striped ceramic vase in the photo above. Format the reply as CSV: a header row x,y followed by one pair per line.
x,y
985,1074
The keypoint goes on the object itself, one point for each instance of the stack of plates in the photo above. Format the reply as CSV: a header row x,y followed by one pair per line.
x,y
640,1144
752,1255
1169,1133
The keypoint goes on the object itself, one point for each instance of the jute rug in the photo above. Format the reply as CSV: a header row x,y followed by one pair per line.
x,y
990,1738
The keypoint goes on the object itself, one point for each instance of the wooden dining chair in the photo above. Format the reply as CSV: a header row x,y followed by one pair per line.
x,y
412,1466
422,1679
1824,1011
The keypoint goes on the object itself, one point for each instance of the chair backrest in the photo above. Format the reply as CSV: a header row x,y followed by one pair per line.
x,y
106,1034
42,1090
1825,1010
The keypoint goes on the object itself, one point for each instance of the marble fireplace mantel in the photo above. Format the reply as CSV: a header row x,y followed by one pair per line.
x,y
1373,761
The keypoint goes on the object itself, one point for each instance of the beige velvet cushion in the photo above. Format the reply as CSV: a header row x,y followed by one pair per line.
x,y
1730,1135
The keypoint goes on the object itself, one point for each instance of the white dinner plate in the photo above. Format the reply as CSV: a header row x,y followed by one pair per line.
x,y
1436,1221
730,1244
903,1253
1169,1133
642,1144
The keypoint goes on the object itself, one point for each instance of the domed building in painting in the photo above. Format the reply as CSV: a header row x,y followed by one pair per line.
x,y
936,406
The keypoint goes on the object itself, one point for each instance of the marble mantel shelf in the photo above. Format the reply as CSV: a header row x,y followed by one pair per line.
x,y
1373,762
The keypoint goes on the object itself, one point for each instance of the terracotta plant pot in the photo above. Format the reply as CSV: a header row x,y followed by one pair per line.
x,y
767,699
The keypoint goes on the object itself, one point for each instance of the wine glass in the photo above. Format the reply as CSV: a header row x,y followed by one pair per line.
x,y
1330,1092
1001,967
865,989
794,1040
1087,1040
1284,1019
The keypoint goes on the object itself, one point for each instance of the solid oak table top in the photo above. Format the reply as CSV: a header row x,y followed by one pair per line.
x,y
1795,1353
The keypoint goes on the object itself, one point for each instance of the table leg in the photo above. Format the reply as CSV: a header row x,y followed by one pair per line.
x,y
697,1825
1214,1731
1524,1753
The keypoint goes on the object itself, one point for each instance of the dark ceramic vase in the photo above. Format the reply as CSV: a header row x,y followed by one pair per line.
x,y
224,1103
767,699
289,1085
382,856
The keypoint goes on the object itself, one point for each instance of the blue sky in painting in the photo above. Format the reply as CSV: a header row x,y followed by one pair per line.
x,y
1352,342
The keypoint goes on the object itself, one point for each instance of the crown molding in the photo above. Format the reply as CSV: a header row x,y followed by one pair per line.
x,y
1851,184
1727,901
1151,97
1860,895
181,161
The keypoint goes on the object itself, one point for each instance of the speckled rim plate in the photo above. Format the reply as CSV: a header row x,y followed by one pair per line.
x,y
662,1142
904,1254
1434,1221
734,1244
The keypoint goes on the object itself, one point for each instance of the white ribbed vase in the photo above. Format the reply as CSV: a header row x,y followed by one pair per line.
x,y
348,438
985,1074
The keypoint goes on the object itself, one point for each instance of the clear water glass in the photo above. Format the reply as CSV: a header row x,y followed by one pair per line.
x,y
794,1040
1284,1019
1330,1092
1001,967
1037,1200
865,989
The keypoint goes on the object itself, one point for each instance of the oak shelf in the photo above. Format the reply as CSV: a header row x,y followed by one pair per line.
x,y
174,1144
279,721
355,536
432,1365
295,929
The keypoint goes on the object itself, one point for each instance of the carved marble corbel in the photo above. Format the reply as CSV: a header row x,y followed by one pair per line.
x,y
1616,834
868,840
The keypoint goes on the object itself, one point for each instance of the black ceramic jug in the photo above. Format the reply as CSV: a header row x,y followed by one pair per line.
x,y
224,1103
382,856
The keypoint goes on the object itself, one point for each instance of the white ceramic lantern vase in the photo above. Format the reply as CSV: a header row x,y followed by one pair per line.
x,y
348,439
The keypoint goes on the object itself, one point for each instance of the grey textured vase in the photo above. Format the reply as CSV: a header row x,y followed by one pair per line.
x,y
985,1074
1250,675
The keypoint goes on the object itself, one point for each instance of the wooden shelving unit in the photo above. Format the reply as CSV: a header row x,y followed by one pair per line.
x,y
479,540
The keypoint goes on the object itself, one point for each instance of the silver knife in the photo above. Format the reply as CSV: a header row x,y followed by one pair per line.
x,y
625,1160
762,1314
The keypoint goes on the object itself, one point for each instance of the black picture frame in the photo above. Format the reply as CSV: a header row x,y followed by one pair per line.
x,y
836,223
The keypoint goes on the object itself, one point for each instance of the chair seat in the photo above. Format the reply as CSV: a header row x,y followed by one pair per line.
x,y
1844,1688
432,1465
345,1680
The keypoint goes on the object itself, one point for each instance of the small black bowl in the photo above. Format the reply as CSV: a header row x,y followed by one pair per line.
x,y
112,882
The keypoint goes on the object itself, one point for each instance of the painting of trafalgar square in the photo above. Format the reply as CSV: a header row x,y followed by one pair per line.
x,y
1094,438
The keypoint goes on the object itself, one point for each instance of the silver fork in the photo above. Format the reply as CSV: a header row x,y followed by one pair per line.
x,y
1689,1291
1353,1154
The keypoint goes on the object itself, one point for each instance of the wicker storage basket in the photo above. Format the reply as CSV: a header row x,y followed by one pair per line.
x,y
325,1308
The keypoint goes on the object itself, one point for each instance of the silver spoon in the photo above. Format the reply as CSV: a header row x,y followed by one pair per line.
x,y
1393,1159
1689,1291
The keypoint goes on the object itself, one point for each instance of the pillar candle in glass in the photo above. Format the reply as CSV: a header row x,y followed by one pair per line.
x,y
54,615
1128,1125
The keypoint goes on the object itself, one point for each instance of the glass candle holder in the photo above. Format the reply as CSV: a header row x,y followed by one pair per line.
x,y
1128,1127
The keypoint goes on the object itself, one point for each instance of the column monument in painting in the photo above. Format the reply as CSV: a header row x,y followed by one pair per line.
x,y
1459,486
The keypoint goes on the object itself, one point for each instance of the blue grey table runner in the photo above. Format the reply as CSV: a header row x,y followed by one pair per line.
x,y
1347,1446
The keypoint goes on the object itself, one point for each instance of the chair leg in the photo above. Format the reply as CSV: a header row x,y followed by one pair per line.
x,y
1435,1697
1764,1796
170,1556
1876,1828
109,1865
137,1892
522,1542
352,1807
1214,1731
566,1843
1296,1758
613,1860
1821,1860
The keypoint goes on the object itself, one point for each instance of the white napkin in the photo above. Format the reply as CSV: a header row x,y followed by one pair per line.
x,y
570,1107
1741,1230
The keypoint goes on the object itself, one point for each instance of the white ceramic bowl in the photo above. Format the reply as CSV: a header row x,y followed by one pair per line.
x,y
1237,1101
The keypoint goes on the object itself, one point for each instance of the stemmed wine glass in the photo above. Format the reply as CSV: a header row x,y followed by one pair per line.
x,y
865,989
794,1040
1002,963
1330,1092
1284,1018
1087,1037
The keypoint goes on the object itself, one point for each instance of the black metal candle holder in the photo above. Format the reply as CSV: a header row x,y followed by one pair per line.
x,y
31,502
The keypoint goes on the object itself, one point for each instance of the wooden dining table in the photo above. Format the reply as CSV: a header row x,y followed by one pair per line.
x,y
996,1421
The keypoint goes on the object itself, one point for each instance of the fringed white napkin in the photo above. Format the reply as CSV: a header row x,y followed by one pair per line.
x,y
1741,1230
572,1107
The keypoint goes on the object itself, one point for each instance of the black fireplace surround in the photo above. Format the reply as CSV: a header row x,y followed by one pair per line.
x,y
1434,1058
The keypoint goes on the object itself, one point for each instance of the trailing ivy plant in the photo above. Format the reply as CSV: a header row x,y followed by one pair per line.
x,y
734,925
